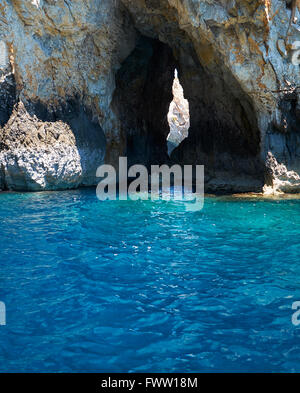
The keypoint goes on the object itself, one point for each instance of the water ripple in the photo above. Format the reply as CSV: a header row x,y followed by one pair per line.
x,y
143,286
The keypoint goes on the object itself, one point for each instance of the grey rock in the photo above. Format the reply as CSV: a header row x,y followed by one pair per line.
x,y
38,155
115,60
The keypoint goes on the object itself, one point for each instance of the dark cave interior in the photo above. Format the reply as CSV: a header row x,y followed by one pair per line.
x,y
223,134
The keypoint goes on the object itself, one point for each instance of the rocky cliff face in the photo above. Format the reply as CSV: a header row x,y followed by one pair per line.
x,y
82,82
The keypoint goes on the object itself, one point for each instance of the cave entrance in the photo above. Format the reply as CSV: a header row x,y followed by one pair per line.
x,y
178,116
220,129
142,100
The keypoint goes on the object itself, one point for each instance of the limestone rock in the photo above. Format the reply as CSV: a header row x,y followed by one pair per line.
x,y
105,69
37,155
178,116
282,179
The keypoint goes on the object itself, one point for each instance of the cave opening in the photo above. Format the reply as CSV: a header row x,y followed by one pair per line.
x,y
142,100
221,130
178,116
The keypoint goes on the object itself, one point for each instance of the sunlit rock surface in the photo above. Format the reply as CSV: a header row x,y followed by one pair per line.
x,y
281,179
38,155
111,64
178,116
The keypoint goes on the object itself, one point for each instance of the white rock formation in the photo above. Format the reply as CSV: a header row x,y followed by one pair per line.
x,y
283,180
178,116
37,155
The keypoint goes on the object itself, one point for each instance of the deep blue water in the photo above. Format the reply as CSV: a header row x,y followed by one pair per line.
x,y
146,286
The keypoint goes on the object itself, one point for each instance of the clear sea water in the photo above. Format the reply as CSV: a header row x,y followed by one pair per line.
x,y
147,287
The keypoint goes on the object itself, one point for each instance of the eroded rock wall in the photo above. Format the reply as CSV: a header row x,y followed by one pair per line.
x,y
234,59
60,63
235,63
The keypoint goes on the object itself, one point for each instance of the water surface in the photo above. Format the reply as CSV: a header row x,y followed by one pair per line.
x,y
146,286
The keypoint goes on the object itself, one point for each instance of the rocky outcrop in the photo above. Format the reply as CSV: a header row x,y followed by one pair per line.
x,y
102,71
39,155
279,179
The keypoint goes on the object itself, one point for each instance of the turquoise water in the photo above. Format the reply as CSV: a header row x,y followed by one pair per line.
x,y
143,286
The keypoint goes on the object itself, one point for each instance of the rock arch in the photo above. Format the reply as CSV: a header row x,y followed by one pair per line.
x,y
233,59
